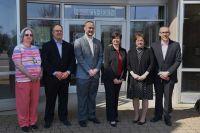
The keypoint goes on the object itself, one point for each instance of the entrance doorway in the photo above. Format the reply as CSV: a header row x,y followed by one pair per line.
x,y
103,31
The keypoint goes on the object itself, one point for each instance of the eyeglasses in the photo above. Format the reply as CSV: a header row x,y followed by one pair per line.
x,y
28,35
58,31
167,32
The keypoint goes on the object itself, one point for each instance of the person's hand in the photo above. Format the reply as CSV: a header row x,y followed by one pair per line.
x,y
58,75
117,81
164,75
65,75
34,78
143,77
135,76
91,73
95,71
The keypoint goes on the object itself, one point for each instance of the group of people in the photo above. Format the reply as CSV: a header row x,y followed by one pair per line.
x,y
58,59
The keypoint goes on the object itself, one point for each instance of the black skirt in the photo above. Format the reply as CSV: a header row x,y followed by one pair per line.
x,y
139,89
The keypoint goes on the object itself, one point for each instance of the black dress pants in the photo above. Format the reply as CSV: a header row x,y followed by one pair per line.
x,y
112,95
163,88
54,88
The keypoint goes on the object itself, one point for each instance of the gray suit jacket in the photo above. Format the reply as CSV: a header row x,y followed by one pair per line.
x,y
172,60
85,59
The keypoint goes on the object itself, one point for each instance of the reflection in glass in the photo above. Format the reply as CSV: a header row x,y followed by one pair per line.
x,y
150,30
42,30
7,89
147,12
76,31
106,33
191,39
8,40
91,12
190,82
36,10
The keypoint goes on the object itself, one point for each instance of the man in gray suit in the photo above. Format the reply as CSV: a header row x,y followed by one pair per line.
x,y
89,56
167,60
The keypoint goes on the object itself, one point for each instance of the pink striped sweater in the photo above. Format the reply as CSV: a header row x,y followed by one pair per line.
x,y
30,59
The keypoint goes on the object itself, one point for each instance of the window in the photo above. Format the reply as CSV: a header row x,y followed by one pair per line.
x,y
191,40
146,19
8,40
147,12
36,10
41,18
150,30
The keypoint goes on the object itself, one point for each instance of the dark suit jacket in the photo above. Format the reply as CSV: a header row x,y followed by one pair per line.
x,y
146,63
51,60
111,63
172,60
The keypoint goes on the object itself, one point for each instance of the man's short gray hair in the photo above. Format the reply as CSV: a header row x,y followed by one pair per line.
x,y
23,33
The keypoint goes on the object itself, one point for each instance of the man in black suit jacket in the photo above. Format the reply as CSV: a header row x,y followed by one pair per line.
x,y
167,58
58,61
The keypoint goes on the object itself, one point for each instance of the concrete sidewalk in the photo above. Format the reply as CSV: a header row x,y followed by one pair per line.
x,y
185,119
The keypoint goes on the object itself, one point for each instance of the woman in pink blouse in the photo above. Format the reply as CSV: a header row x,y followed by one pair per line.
x,y
28,73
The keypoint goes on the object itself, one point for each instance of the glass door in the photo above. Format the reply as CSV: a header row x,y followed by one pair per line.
x,y
72,31
104,30
190,70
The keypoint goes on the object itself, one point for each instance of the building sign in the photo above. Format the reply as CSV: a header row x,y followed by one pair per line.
x,y
96,12
91,12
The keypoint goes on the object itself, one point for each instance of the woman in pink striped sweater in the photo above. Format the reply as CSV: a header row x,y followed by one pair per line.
x,y
28,73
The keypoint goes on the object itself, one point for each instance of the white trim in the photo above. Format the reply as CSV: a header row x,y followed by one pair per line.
x,y
189,97
180,36
18,20
7,73
149,20
191,2
128,27
40,18
190,69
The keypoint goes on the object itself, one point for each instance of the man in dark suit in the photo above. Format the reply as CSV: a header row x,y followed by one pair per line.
x,y
58,61
89,55
167,58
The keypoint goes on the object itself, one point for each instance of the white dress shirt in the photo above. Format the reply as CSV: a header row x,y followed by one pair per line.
x,y
164,48
59,46
90,41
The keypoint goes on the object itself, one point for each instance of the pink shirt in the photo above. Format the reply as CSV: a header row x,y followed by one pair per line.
x,y
30,59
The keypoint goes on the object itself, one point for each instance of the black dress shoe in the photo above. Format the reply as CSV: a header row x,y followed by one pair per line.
x,y
34,126
94,120
47,124
66,123
117,120
113,123
25,129
168,121
141,123
83,123
156,119
135,121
